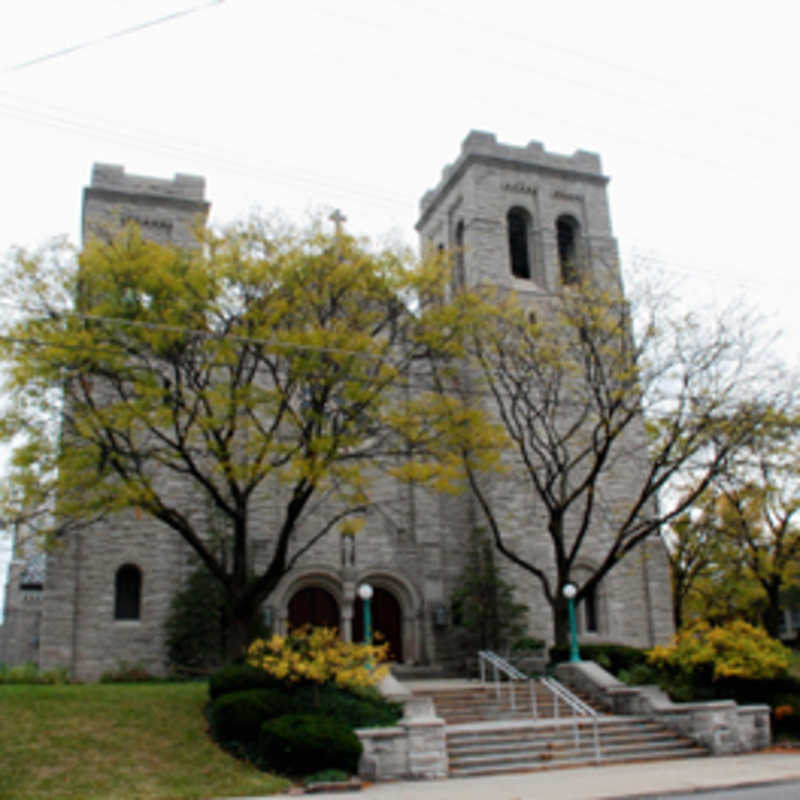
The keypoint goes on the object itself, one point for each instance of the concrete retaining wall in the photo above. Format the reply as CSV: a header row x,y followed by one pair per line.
x,y
720,725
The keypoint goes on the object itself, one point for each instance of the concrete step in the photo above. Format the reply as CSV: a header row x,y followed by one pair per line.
x,y
462,747
486,749
472,704
487,734
562,762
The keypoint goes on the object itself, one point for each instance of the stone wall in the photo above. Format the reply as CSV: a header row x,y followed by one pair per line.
x,y
721,725
415,748
22,616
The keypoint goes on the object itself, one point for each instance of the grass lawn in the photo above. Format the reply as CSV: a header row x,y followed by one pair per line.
x,y
124,741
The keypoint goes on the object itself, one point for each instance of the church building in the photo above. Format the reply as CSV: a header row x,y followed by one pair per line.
x,y
519,218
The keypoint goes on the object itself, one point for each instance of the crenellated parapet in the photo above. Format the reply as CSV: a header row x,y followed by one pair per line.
x,y
521,218
166,210
480,146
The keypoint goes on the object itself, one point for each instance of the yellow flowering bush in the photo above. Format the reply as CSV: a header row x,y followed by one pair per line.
x,y
318,656
733,650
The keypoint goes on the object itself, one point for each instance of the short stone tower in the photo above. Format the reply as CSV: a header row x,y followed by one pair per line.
x,y
167,211
521,218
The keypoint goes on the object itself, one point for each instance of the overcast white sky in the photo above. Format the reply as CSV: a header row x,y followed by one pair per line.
x,y
358,104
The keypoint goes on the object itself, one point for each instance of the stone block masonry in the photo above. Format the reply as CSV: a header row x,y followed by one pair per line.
x,y
414,550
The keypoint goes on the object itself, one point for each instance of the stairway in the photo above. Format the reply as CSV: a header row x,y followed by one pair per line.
x,y
482,703
485,735
515,747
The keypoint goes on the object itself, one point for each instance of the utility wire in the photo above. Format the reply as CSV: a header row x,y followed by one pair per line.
x,y
519,35
153,141
398,382
109,37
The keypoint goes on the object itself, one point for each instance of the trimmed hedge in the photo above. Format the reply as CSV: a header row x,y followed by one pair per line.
x,y
613,657
357,711
238,716
240,678
298,744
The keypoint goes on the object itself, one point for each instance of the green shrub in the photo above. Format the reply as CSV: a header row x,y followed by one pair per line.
x,y
327,776
240,678
128,673
527,643
640,674
299,744
238,717
484,611
195,627
347,707
29,673
613,657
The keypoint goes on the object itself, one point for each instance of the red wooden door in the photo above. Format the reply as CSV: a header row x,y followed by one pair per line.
x,y
387,620
313,606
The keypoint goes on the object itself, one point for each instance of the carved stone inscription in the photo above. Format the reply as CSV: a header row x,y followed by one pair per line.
x,y
566,196
164,225
518,187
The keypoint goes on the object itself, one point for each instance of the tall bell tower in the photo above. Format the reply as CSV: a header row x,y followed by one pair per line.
x,y
166,211
521,218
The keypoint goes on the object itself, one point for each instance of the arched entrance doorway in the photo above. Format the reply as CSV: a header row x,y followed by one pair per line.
x,y
313,606
387,619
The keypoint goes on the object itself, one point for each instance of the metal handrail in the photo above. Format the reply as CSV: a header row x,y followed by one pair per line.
x,y
579,708
500,666
558,691
572,700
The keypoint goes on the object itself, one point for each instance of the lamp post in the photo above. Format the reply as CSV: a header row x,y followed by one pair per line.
x,y
365,593
569,591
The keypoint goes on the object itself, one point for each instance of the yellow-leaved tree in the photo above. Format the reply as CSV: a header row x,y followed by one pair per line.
x,y
319,656
266,368
734,650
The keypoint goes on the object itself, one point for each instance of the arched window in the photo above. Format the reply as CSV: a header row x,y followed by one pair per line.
x,y
458,266
128,592
519,224
568,236
589,612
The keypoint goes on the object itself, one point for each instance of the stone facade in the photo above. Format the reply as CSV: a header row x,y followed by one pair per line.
x,y
560,202
22,619
414,549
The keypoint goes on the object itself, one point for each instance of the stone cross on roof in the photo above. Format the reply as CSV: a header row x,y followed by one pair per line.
x,y
337,218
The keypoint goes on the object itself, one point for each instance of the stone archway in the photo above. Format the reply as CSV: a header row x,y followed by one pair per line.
x,y
387,621
313,605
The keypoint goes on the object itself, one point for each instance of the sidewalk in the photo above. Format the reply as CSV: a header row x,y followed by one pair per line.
x,y
593,783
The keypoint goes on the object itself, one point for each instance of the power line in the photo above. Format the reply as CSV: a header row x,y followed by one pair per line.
x,y
109,37
525,109
155,142
278,345
518,35
398,382
519,66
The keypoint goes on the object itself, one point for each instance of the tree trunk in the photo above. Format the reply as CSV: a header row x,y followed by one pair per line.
x,y
561,622
240,630
677,603
772,613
